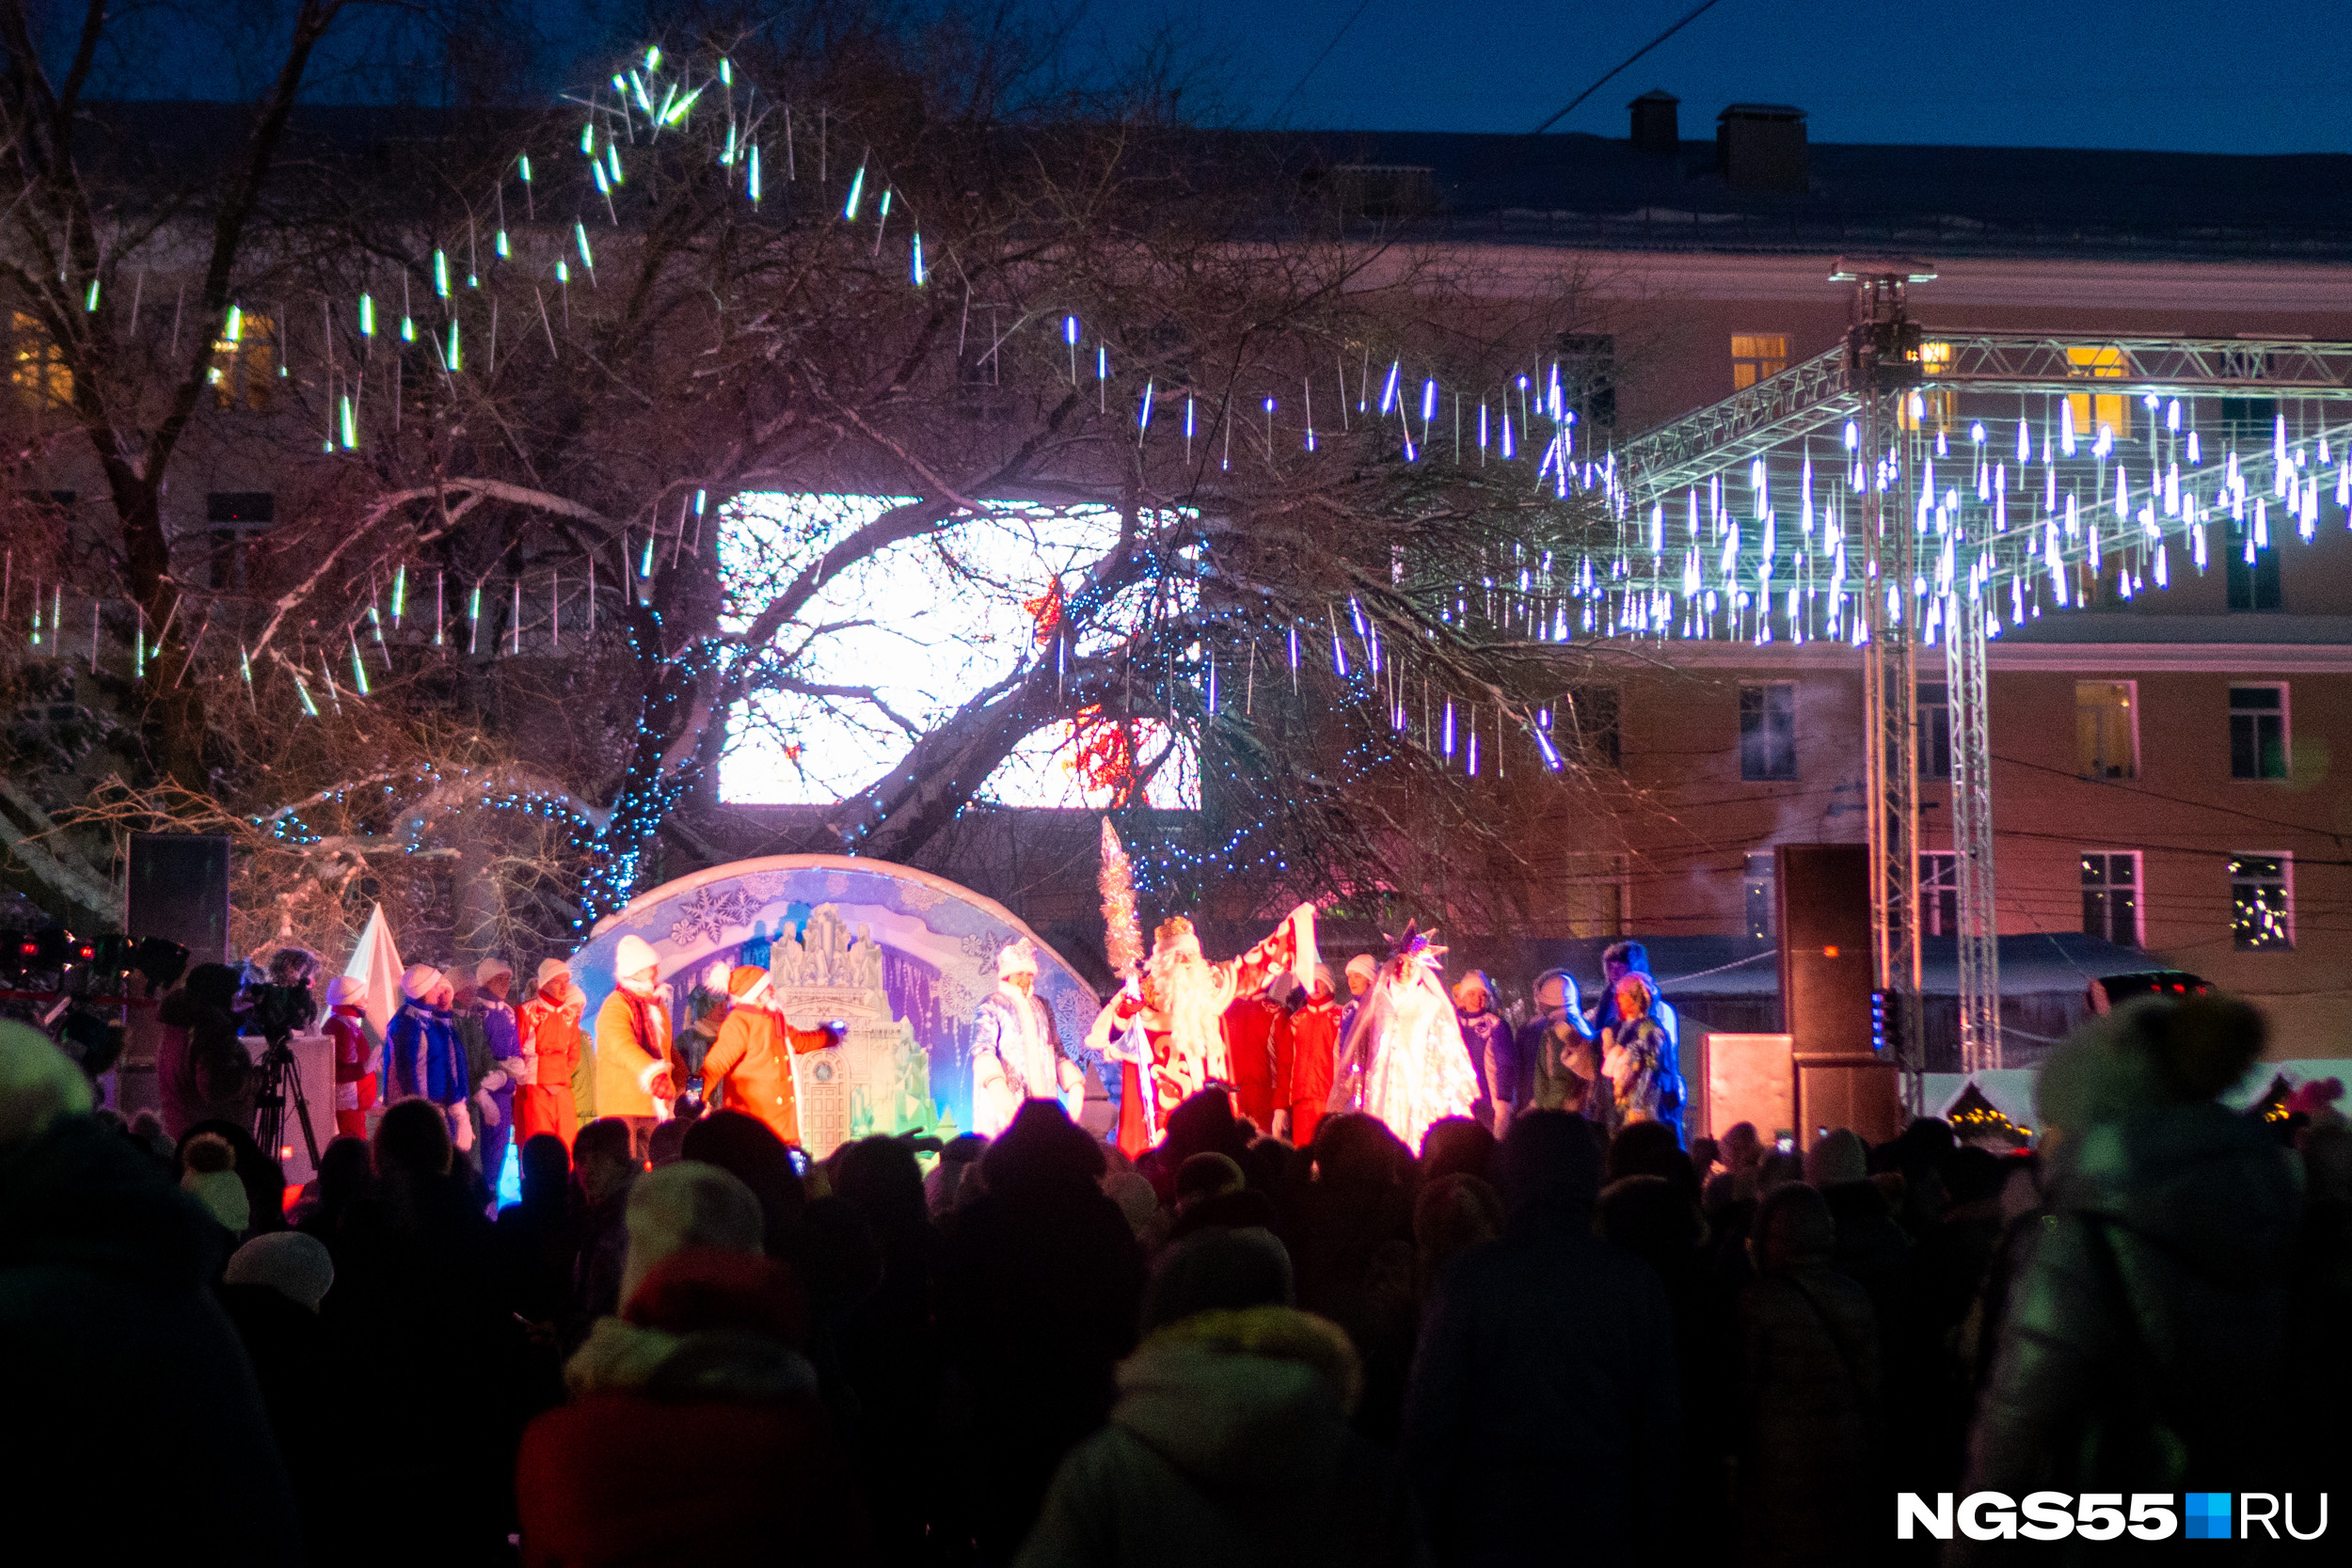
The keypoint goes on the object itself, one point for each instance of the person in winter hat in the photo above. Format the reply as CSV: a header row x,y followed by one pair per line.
x,y
704,1363
1305,1055
636,1080
1486,1034
356,1058
210,1177
503,1048
749,1067
422,1053
1361,971
1229,1444
548,1028
298,1267
113,1348
2138,1351
1016,1049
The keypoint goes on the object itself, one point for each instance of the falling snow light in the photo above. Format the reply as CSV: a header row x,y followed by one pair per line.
x,y
857,193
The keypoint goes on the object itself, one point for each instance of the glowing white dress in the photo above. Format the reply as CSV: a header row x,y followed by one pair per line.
x,y
1404,1061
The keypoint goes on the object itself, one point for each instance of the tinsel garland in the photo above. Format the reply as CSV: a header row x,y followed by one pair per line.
x,y
1123,933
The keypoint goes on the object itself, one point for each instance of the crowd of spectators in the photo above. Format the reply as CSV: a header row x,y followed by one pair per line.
x,y
1555,1347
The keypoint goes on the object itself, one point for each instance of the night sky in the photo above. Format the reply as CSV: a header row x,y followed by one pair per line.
x,y
2251,76
2255,76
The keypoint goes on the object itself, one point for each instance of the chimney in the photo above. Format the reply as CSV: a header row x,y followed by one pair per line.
x,y
1760,147
1655,128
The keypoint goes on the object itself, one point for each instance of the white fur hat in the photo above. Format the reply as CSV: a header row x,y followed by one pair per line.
x,y
633,954
550,969
345,990
419,981
487,968
1365,965
1018,957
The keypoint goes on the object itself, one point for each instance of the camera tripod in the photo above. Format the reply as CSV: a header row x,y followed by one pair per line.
x,y
280,1078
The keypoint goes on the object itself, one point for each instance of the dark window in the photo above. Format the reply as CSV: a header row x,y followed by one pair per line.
x,y
1935,731
2111,898
2262,910
1590,726
1768,731
2254,584
2248,421
2258,731
1757,885
1939,895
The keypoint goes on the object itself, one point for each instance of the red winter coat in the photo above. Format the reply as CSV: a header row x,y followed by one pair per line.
x,y
734,1402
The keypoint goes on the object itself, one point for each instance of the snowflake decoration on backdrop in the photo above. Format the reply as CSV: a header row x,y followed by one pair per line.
x,y
707,915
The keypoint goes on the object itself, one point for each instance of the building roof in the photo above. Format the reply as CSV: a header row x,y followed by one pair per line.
x,y
1586,190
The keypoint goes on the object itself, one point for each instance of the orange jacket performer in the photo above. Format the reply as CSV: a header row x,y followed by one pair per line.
x,y
749,1067
635,1077
550,1031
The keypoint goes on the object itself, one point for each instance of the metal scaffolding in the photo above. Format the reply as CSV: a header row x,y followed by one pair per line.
x,y
1942,482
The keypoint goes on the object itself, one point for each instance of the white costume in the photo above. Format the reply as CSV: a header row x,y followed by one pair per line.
x,y
1404,1060
1016,1049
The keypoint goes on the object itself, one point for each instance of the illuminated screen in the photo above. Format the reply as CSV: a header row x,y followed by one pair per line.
x,y
899,643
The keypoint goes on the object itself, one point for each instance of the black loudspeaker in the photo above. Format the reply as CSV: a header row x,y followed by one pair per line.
x,y
179,890
1823,897
1822,892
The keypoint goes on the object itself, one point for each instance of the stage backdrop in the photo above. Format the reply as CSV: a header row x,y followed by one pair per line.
x,y
900,955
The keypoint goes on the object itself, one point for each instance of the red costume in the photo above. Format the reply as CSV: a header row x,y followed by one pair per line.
x,y
549,1023
1249,1025
1307,1047
1178,1005
355,1086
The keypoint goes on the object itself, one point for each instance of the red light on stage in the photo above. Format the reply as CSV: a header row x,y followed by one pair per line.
x,y
1828,951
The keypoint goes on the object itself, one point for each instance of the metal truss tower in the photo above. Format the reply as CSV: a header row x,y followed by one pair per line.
x,y
1974,476
1882,361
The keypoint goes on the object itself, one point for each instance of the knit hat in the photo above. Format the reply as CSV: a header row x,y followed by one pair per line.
x,y
1219,1269
1323,977
633,956
39,1082
211,1178
345,990
550,969
1365,965
1839,1156
1474,979
489,968
747,983
1018,957
294,1263
420,982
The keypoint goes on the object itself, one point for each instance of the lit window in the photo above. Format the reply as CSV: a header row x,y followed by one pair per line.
x,y
2106,738
36,363
2262,902
2093,409
2258,731
1935,730
1757,884
1758,355
1939,894
1929,407
1768,731
2111,898
244,361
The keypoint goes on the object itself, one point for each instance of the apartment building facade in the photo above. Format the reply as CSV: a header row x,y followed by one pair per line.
x,y
2163,777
